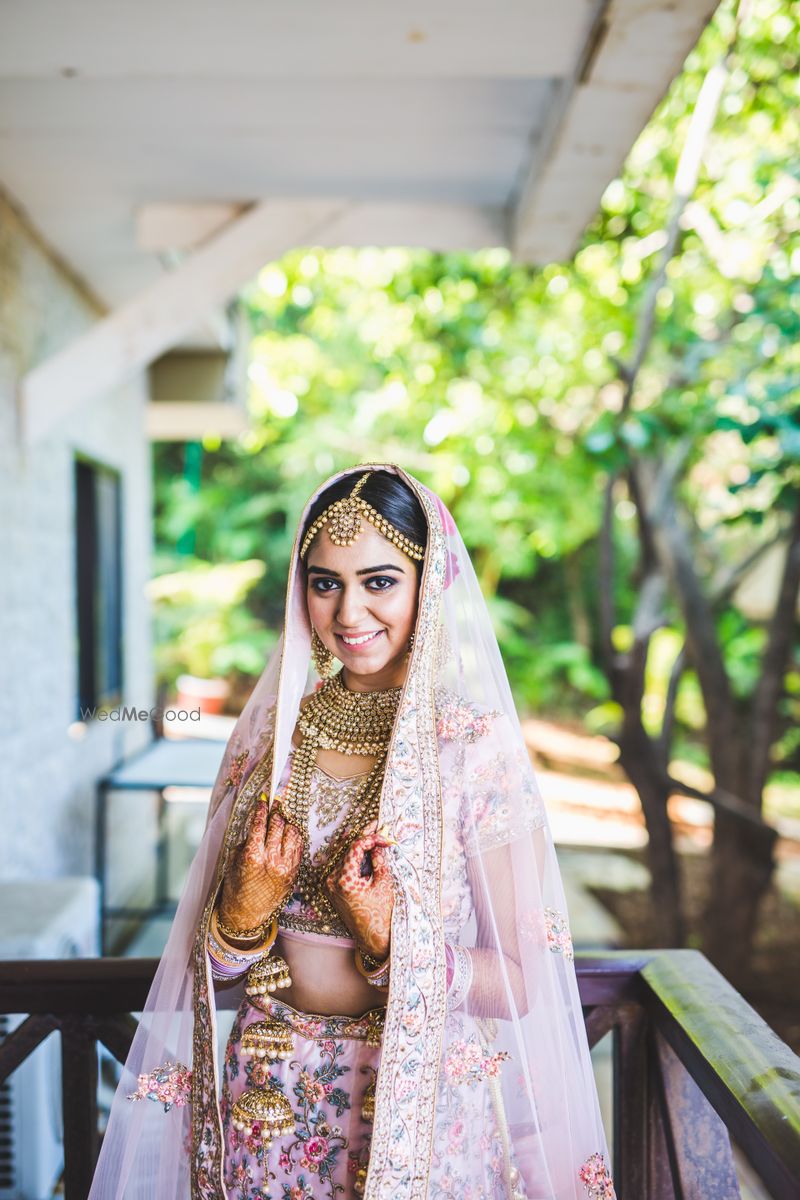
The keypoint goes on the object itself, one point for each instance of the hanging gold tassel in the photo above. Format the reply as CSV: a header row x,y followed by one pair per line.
x,y
321,656
265,976
271,1039
368,1103
266,1108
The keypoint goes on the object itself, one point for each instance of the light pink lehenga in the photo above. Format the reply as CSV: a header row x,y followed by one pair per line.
x,y
330,1077
484,1086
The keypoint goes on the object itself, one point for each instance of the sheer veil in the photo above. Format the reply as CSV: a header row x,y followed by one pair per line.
x,y
501,1058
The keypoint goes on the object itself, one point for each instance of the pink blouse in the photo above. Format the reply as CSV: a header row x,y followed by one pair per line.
x,y
328,807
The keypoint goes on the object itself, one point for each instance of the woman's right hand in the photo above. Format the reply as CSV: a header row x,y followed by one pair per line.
x,y
262,872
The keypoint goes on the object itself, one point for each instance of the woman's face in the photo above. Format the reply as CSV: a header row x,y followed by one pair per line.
x,y
362,601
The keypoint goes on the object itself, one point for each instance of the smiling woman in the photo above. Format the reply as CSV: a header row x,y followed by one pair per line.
x,y
378,872
362,598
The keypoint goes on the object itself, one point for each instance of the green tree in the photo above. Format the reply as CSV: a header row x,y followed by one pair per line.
x,y
638,402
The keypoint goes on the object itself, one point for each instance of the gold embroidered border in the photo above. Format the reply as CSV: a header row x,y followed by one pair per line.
x,y
405,1116
410,1119
207,1134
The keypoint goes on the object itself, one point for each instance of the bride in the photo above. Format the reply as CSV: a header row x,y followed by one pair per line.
x,y
378,896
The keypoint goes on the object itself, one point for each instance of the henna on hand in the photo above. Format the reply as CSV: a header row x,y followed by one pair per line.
x,y
365,901
262,871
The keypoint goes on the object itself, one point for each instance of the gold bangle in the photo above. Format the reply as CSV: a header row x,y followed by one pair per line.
x,y
250,952
245,935
373,970
247,951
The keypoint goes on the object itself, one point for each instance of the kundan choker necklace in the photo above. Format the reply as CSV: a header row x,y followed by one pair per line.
x,y
351,723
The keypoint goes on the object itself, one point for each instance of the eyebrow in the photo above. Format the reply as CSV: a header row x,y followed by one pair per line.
x,y
365,571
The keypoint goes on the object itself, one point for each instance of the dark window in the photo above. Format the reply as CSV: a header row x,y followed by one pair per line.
x,y
98,563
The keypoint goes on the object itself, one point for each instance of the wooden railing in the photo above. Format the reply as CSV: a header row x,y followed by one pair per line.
x,y
694,1066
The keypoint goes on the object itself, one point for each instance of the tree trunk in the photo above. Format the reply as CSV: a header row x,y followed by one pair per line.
x,y
781,634
742,859
742,852
579,615
741,869
640,763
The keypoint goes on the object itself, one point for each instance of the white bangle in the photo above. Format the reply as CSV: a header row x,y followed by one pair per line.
x,y
462,977
378,975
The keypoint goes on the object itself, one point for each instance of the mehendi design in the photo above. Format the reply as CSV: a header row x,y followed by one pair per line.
x,y
365,901
261,874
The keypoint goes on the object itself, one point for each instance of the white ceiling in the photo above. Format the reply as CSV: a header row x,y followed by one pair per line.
x,y
523,109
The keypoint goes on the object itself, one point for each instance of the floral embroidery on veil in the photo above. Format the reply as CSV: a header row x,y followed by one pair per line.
x,y
596,1178
236,770
459,720
559,938
467,1062
170,1084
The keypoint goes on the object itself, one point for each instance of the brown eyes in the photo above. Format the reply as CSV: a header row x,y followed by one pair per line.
x,y
375,583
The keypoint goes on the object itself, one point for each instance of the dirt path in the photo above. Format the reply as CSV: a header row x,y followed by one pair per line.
x,y
591,804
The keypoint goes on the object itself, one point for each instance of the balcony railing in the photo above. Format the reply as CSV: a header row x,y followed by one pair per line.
x,y
694,1067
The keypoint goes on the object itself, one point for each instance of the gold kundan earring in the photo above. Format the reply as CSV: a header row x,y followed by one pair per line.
x,y
321,656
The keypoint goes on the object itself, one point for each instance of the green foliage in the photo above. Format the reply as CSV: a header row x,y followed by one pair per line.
x,y
499,385
201,622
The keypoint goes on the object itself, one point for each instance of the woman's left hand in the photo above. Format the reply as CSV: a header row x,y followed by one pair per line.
x,y
365,901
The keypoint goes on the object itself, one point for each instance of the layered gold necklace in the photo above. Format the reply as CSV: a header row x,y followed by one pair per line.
x,y
352,723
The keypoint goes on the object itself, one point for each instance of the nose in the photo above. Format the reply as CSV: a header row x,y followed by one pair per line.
x,y
351,607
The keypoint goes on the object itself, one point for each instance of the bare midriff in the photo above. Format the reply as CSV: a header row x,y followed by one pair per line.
x,y
322,969
324,978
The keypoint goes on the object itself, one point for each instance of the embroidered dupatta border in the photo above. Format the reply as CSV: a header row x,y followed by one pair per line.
x,y
411,1050
207,1164
411,804
207,1134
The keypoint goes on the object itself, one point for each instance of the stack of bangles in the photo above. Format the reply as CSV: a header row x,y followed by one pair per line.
x,y
459,972
373,970
228,963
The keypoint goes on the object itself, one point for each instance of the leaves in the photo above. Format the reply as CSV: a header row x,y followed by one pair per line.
x,y
499,384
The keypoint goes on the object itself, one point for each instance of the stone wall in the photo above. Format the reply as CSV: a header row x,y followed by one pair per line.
x,y
48,764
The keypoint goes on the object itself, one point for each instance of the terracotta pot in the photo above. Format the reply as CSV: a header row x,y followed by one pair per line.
x,y
209,695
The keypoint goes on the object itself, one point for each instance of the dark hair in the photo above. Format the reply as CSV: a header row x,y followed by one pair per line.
x,y
389,494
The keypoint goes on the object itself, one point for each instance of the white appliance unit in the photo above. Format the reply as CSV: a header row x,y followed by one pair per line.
x,y
55,918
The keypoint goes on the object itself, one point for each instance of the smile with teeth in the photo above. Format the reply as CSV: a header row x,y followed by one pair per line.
x,y
361,640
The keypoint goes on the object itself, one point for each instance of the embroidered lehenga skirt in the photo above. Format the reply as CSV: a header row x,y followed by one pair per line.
x,y
329,1081
329,1077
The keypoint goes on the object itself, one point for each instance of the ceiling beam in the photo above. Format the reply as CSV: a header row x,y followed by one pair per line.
x,y
133,335
631,55
437,226
316,39
162,227
129,338
191,421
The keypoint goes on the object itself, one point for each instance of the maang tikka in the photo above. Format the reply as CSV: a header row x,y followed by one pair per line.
x,y
344,522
